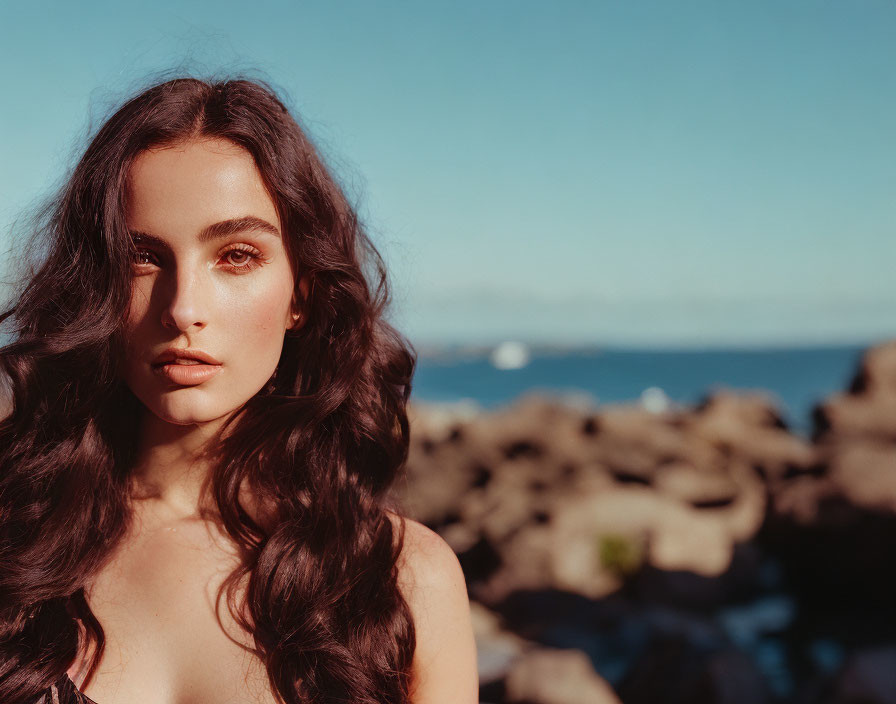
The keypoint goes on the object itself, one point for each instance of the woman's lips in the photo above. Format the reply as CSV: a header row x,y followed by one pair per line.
x,y
186,374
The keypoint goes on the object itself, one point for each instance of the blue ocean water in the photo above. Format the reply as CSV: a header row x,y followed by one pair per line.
x,y
796,378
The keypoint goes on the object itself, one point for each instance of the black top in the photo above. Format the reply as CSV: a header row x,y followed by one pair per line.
x,y
64,692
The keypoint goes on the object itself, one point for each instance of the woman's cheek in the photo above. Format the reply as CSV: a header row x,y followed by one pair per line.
x,y
257,321
134,327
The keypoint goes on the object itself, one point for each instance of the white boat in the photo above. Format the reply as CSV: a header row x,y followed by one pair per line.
x,y
510,355
655,400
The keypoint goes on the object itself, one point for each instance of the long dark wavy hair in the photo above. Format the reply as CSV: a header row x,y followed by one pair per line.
x,y
320,446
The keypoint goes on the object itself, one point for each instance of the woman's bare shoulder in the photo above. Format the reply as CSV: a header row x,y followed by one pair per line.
x,y
426,559
432,582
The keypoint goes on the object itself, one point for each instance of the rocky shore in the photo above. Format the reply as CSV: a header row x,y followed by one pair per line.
x,y
691,554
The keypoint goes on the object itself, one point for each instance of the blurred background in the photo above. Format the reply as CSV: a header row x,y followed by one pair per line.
x,y
645,252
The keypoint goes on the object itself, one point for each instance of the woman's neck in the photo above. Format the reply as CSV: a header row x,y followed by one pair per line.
x,y
172,474
172,466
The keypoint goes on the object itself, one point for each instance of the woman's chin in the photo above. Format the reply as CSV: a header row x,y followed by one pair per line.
x,y
189,414
193,405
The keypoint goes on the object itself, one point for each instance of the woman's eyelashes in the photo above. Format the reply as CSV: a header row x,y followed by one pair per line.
x,y
239,258
248,258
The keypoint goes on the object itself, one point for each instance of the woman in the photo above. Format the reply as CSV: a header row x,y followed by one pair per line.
x,y
208,411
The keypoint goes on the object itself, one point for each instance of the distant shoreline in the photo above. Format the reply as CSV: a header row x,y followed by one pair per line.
x,y
458,351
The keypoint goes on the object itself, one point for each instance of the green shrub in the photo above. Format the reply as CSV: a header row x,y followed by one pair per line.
x,y
621,554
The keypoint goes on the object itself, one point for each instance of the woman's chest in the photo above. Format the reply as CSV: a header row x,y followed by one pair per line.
x,y
166,642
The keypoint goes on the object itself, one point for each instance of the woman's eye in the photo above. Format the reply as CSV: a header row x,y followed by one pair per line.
x,y
140,254
244,258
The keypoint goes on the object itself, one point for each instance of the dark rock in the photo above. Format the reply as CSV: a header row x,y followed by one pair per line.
x,y
675,671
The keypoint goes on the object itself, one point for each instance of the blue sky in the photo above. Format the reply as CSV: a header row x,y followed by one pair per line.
x,y
650,173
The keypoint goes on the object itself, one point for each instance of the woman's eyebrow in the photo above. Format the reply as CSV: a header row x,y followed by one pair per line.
x,y
218,230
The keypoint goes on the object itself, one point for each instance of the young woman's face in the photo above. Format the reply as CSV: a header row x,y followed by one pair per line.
x,y
211,274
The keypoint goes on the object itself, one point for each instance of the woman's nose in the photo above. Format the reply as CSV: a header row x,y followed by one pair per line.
x,y
185,298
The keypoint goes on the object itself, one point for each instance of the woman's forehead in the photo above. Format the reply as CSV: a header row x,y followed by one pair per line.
x,y
191,185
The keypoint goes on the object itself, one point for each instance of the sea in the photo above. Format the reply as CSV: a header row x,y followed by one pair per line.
x,y
793,378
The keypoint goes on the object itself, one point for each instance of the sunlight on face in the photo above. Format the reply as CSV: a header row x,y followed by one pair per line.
x,y
229,295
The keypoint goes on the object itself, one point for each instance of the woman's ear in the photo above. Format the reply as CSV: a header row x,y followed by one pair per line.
x,y
297,309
